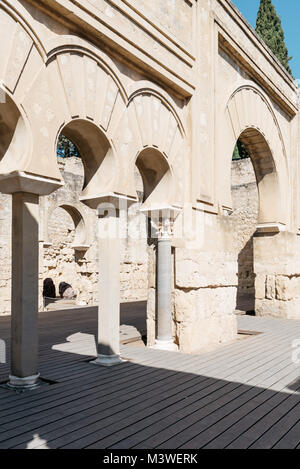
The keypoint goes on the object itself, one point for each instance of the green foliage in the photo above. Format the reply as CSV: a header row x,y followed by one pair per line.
x,y
240,151
236,155
65,148
268,26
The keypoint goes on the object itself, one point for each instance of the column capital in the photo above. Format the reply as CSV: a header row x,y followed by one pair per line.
x,y
21,181
162,219
108,200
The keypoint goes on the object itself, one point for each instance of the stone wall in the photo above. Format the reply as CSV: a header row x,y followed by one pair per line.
x,y
277,282
213,273
205,298
68,247
204,286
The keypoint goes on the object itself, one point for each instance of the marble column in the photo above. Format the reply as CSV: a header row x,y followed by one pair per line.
x,y
164,338
25,273
162,219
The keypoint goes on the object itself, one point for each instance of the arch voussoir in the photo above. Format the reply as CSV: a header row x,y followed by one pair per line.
x,y
249,117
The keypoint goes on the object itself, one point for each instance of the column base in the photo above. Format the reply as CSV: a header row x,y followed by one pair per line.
x,y
23,384
108,360
165,345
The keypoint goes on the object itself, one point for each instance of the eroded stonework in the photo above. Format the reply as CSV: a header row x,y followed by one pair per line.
x,y
66,257
166,87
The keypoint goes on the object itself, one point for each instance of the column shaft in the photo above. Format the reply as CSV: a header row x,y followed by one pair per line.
x,y
164,279
109,291
164,339
25,272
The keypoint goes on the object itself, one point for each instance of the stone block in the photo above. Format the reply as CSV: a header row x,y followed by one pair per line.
x,y
204,303
278,309
196,269
287,288
204,317
270,287
260,286
206,333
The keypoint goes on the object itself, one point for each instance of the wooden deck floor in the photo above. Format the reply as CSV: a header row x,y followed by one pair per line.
x,y
243,395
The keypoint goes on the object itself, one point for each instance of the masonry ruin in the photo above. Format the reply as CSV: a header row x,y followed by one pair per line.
x,y
68,245
155,96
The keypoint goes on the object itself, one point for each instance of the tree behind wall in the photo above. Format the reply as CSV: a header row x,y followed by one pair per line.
x,y
240,152
268,26
65,148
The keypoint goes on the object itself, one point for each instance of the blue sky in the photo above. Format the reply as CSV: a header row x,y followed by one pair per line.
x,y
289,12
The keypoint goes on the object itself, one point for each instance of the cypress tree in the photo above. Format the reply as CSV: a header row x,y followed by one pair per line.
x,y
268,26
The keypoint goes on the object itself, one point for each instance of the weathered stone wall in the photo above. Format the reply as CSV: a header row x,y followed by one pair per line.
x,y
215,273
62,215
68,247
277,282
204,286
268,269
205,298
185,78
173,15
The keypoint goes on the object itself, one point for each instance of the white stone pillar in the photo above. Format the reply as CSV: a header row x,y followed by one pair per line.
x,y
26,188
162,219
109,209
25,276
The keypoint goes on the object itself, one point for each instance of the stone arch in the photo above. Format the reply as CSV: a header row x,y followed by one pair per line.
x,y
157,177
74,85
68,240
250,117
98,157
150,125
22,48
82,238
24,61
67,47
91,89
266,175
145,87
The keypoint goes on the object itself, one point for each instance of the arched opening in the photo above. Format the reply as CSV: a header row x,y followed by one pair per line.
x,y
96,153
256,204
59,257
79,238
87,163
134,264
66,148
265,173
64,253
156,176
156,191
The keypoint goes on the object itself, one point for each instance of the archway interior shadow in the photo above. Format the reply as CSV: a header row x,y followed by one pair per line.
x,y
96,153
268,211
246,301
156,176
79,224
9,116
